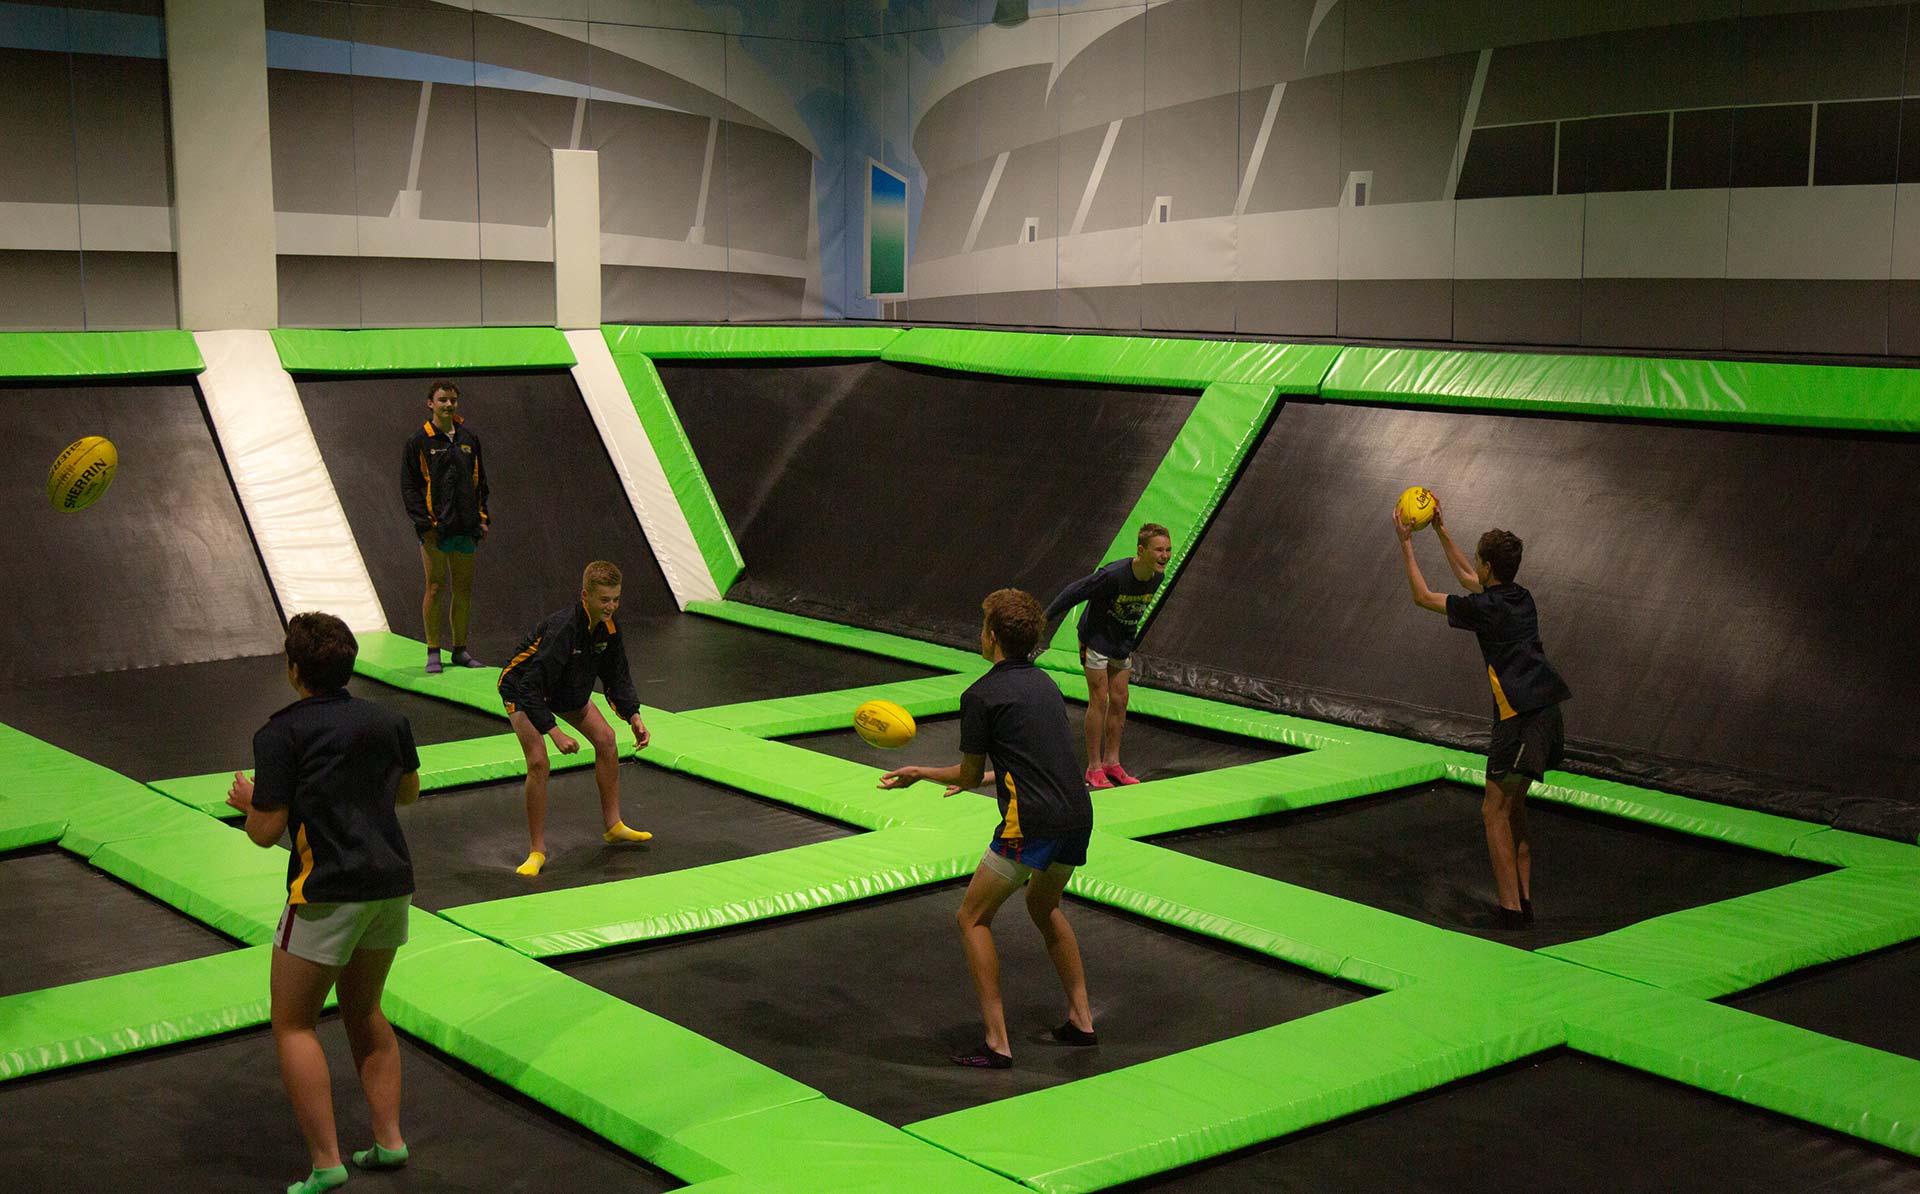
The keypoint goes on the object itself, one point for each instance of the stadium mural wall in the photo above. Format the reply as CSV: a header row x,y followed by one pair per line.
x,y
1717,176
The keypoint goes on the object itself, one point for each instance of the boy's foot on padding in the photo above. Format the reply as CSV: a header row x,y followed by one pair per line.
x,y
434,667
462,659
1097,778
320,1179
1118,774
532,865
984,1058
379,1157
620,833
1067,1034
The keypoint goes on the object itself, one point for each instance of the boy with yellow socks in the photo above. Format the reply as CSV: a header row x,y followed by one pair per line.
x,y
553,671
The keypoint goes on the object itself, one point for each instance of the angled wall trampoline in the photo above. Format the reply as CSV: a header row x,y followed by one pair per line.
x,y
1294,982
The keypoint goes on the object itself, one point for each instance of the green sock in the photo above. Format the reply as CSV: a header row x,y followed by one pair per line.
x,y
379,1157
320,1179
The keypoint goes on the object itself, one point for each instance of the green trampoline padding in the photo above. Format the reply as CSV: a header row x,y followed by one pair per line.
x,y
1864,398
210,871
571,1047
666,343
1837,1084
62,355
1177,1110
823,1147
125,1013
781,716
819,875
874,642
1718,949
1269,786
421,350
1117,360
685,478
400,661
1192,477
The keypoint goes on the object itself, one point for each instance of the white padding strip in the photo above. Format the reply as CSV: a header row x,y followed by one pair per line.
x,y
312,560
639,468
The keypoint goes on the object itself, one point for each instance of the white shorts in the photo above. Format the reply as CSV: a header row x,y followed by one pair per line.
x,y
1093,661
327,934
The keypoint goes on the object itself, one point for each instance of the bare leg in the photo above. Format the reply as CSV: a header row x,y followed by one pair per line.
x,y
1495,813
433,606
1116,713
606,758
460,567
535,748
299,990
985,894
376,1051
1517,821
1096,720
1043,905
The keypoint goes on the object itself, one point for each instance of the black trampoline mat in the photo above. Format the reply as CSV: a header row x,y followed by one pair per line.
x,y
686,661
556,501
1872,1000
465,842
1557,1121
1420,852
161,569
195,718
211,1115
1150,749
898,497
866,1003
66,922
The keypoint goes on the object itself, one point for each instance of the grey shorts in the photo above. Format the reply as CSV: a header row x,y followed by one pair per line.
x,y
327,934
1093,661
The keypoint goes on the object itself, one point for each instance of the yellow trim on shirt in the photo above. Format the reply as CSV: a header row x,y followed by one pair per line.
x,y
1499,696
1012,829
296,893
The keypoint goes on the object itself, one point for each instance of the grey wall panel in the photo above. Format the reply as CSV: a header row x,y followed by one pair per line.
x,y
516,133
120,122
642,294
129,291
1402,123
1671,314
1396,309
1806,315
650,168
763,296
40,291
1187,306
1193,52
517,293
1851,53
1113,308
1903,317
384,113
768,190
1029,188
1297,308
1107,80
1301,166
1190,155
1120,201
37,113
318,292
415,292
310,117
449,158
1516,310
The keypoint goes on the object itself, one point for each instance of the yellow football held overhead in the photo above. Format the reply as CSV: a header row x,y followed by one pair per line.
x,y
884,724
1416,507
81,473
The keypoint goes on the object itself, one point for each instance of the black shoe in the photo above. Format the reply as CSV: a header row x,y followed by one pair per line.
x,y
984,1058
1526,911
1509,918
1067,1034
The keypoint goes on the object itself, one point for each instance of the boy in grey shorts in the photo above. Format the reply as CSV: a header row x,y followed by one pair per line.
x,y
328,771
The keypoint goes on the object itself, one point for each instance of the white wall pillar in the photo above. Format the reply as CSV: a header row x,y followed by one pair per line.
x,y
576,238
222,164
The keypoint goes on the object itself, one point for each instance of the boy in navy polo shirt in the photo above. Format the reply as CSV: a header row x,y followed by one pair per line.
x,y
328,770
444,484
1015,716
553,673
1116,596
1528,736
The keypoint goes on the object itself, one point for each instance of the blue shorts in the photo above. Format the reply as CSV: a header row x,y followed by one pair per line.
x,y
1040,853
462,545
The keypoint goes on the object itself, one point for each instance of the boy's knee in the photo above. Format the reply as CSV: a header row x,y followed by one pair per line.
x,y
538,766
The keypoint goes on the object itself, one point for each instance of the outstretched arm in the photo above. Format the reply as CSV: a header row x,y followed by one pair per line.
x,y
1423,597
1463,570
969,772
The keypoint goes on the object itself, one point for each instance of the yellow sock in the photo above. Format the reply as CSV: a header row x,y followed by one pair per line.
x,y
535,860
620,833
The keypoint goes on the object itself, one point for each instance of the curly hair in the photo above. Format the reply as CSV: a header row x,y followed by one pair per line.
x,y
1015,619
322,649
1501,550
